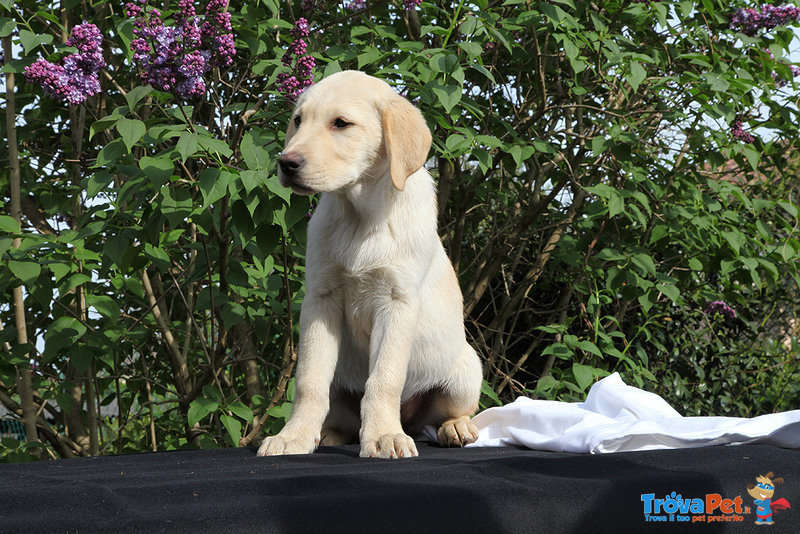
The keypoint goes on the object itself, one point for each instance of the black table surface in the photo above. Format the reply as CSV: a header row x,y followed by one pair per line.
x,y
443,490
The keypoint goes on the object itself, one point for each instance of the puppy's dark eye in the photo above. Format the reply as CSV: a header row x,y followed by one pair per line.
x,y
341,124
297,121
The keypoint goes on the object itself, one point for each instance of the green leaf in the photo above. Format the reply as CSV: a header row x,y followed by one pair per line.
x,y
553,328
274,185
111,154
98,181
62,333
369,56
213,184
616,205
456,143
736,240
30,40
645,263
584,375
199,409
588,346
104,123
753,156
136,94
559,350
718,83
636,75
671,291
448,95
647,300
484,71
187,145
158,170
599,145
241,410
131,131
233,426
7,27
251,179
215,147
176,204
487,391
484,158
80,357
659,232
297,210
283,411
254,155
104,305
9,225
158,256
27,271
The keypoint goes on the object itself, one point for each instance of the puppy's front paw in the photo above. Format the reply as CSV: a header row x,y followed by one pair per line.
x,y
457,432
278,445
389,446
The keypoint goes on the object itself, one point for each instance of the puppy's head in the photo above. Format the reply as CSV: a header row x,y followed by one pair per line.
x,y
351,127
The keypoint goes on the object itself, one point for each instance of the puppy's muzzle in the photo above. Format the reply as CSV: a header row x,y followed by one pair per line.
x,y
290,164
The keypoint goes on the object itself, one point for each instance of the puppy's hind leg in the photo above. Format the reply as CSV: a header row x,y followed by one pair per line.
x,y
452,405
343,421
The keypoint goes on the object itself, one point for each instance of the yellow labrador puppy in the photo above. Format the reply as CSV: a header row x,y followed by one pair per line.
x,y
382,347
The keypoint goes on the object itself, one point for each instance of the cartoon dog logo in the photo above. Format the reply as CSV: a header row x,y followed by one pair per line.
x,y
762,492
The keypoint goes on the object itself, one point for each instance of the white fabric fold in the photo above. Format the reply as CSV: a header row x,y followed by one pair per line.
x,y
616,417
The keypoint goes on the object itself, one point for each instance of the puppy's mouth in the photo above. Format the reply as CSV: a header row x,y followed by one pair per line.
x,y
289,181
301,190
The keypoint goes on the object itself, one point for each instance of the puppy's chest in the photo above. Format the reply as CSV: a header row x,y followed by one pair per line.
x,y
364,295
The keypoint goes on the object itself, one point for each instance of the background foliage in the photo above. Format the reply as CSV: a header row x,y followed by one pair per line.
x,y
596,194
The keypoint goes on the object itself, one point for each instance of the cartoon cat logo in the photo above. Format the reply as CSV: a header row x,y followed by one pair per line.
x,y
762,492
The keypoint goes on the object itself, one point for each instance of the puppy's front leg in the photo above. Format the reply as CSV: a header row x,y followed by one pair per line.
x,y
320,335
382,433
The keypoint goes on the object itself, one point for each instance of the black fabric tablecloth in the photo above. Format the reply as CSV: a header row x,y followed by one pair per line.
x,y
443,490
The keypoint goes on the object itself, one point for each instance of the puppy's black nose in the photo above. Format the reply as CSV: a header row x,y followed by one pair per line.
x,y
291,163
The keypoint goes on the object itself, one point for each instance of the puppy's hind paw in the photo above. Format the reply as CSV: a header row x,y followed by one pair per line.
x,y
457,432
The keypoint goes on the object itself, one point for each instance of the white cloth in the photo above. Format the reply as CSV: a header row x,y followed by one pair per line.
x,y
617,417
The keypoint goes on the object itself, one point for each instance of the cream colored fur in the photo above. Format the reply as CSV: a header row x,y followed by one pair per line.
x,y
382,318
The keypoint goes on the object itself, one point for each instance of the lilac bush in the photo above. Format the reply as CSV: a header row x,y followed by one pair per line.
x,y
737,132
176,58
750,20
75,78
722,308
291,85
356,5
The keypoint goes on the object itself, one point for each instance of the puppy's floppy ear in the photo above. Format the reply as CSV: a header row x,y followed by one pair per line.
x,y
407,138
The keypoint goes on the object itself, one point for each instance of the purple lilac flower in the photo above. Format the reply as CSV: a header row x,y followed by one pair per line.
x,y
291,85
176,58
75,78
750,21
780,82
720,307
411,4
738,132
356,5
